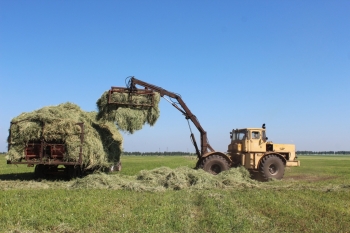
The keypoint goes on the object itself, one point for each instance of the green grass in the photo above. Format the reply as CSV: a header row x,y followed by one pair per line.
x,y
311,198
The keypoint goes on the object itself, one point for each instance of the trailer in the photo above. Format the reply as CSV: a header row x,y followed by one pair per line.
x,y
49,158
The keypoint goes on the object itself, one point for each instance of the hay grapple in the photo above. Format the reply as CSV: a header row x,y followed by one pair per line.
x,y
129,94
175,100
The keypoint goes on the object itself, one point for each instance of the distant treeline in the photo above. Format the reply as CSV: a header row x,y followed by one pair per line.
x,y
165,153
305,152
174,153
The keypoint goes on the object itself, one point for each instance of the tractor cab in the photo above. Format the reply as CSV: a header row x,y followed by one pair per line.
x,y
248,140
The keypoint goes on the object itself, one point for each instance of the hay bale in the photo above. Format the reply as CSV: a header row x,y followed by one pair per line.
x,y
128,118
102,141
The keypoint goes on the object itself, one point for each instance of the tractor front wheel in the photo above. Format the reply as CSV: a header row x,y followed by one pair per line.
x,y
215,164
271,167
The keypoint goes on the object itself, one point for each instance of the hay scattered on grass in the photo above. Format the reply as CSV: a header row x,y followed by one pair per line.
x,y
116,182
102,141
127,117
165,178
18,184
185,177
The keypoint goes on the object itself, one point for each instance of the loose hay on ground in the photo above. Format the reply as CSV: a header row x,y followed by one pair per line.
x,y
165,178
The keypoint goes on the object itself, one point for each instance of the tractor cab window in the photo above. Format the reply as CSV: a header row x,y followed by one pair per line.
x,y
241,135
255,135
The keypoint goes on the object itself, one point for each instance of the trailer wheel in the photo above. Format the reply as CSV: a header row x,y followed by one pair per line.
x,y
271,167
215,164
73,171
39,171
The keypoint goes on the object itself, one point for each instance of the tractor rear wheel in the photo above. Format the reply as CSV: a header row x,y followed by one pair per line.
x,y
271,167
215,164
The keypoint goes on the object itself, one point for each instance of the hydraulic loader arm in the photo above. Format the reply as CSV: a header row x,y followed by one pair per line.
x,y
205,146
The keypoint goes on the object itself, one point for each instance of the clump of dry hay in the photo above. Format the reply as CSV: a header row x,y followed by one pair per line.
x,y
165,178
102,141
185,177
115,182
128,117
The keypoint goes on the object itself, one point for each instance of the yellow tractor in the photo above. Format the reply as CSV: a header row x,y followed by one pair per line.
x,y
250,148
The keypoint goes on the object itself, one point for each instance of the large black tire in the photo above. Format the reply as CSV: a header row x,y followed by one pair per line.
x,y
271,167
215,164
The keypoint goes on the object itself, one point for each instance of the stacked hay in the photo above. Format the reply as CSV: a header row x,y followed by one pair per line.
x,y
131,117
102,141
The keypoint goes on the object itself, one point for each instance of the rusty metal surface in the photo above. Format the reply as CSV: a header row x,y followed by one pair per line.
x,y
81,124
44,163
131,93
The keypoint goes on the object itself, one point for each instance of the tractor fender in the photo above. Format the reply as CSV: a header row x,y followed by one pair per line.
x,y
274,153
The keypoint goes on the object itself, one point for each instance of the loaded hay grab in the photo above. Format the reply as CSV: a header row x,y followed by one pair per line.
x,y
129,110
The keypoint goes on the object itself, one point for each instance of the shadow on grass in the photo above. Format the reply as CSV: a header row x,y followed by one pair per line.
x,y
29,176
18,176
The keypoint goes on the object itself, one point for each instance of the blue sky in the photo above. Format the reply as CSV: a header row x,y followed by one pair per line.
x,y
236,64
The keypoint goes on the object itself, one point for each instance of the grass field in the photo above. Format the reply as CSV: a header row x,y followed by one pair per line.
x,y
312,198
